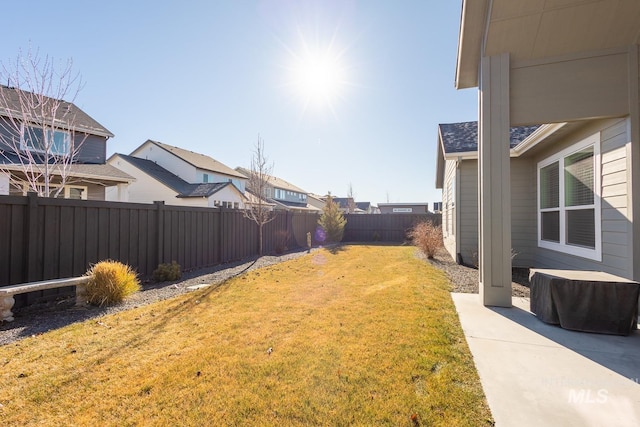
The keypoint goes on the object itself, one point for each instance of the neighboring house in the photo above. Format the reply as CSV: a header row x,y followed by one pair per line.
x,y
316,201
365,208
437,207
179,177
576,188
155,183
191,166
403,208
284,195
87,173
346,204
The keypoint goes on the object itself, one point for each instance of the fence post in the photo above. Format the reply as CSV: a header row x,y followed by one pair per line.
x,y
159,231
31,238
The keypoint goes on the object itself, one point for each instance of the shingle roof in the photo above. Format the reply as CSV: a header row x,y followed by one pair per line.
x,y
274,181
342,202
200,161
10,106
179,185
463,137
97,172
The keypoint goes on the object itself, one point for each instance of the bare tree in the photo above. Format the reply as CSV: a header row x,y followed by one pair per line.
x,y
39,138
260,211
351,200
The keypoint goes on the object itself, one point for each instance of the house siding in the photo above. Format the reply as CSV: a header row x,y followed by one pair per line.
x,y
290,196
468,211
92,150
218,177
615,192
169,161
227,194
523,212
145,189
523,217
448,209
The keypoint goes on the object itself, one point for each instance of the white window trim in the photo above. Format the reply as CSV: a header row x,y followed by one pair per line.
x,y
596,253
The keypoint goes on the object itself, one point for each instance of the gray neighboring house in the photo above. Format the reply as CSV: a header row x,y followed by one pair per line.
x,y
403,208
283,195
88,175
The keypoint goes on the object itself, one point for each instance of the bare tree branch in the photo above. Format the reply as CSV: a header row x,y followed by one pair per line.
x,y
38,134
260,211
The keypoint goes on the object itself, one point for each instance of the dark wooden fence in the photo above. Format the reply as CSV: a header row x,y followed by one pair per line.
x,y
43,238
383,227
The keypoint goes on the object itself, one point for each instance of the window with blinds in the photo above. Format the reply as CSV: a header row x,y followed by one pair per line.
x,y
568,200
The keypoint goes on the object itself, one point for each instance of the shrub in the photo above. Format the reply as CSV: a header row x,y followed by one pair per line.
x,y
332,221
167,272
110,282
427,237
281,241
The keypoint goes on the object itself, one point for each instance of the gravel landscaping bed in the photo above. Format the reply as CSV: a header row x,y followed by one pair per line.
x,y
39,318
465,279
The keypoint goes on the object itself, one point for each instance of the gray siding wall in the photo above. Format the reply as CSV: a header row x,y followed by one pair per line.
x,y
291,196
616,252
449,209
468,211
92,150
523,212
523,216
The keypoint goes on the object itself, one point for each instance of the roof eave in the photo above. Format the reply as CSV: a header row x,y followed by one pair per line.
x,y
470,40
539,135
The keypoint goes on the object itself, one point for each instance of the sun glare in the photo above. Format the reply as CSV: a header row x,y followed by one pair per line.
x,y
318,78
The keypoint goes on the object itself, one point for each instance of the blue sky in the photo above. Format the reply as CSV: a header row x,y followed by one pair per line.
x,y
210,76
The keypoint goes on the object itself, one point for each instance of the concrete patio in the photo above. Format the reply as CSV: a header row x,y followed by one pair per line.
x,y
537,374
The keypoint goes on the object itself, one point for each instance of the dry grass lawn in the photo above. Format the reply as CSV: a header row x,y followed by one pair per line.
x,y
366,335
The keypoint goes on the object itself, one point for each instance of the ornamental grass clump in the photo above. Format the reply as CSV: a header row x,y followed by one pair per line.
x,y
110,282
167,272
427,237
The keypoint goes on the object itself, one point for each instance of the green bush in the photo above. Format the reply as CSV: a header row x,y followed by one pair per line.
x,y
332,221
167,272
427,237
110,282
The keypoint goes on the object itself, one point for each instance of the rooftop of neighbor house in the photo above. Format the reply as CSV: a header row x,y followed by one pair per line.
x,y
179,185
463,137
81,170
69,117
274,181
403,204
200,161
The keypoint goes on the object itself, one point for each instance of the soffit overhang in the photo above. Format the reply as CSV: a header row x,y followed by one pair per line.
x,y
536,29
